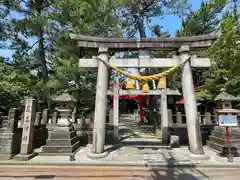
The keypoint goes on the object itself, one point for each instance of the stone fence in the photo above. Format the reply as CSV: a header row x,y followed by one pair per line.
x,y
11,132
178,125
179,119
11,128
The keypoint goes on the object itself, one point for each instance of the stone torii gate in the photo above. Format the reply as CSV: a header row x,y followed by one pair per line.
x,y
184,48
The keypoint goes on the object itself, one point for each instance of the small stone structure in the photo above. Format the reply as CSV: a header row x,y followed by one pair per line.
x,y
62,139
9,138
217,140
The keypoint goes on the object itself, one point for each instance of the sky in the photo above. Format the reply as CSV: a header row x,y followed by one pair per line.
x,y
170,23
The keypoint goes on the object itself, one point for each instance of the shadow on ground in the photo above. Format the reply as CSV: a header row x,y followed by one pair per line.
x,y
170,173
177,172
148,173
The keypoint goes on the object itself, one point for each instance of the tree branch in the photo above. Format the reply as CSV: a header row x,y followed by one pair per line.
x,y
31,47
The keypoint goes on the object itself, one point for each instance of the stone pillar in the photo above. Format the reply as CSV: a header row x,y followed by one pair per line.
x,y
12,120
179,118
199,117
164,115
54,117
115,109
100,107
207,119
190,105
9,139
44,117
26,151
38,119
74,120
170,117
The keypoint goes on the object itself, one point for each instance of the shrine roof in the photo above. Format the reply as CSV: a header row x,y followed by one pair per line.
x,y
221,111
65,97
116,44
224,96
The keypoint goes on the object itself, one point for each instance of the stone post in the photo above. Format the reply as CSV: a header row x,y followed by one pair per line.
x,y
26,151
164,115
100,107
74,113
54,117
12,120
9,141
170,117
44,117
179,118
190,105
38,119
199,116
115,109
208,119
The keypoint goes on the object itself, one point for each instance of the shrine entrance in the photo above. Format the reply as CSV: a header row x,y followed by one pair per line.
x,y
143,101
184,50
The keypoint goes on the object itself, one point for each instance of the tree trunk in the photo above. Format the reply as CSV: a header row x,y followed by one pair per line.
x,y
43,67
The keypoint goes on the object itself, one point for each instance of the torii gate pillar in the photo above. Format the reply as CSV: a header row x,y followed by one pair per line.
x,y
190,105
100,108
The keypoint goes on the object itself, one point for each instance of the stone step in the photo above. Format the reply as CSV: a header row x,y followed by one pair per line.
x,y
5,141
222,134
5,122
61,135
234,130
59,128
215,146
4,130
5,149
62,142
223,141
6,135
223,150
60,149
152,147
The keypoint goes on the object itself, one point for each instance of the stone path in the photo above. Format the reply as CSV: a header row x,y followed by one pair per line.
x,y
141,147
130,131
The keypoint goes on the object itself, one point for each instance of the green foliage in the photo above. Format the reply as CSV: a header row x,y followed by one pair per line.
x,y
226,58
204,95
14,85
203,21
44,62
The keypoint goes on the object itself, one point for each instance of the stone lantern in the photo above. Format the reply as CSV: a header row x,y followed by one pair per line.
x,y
62,139
65,104
218,139
224,100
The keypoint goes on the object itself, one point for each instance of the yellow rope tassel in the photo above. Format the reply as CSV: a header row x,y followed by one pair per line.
x,y
145,88
160,84
129,84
